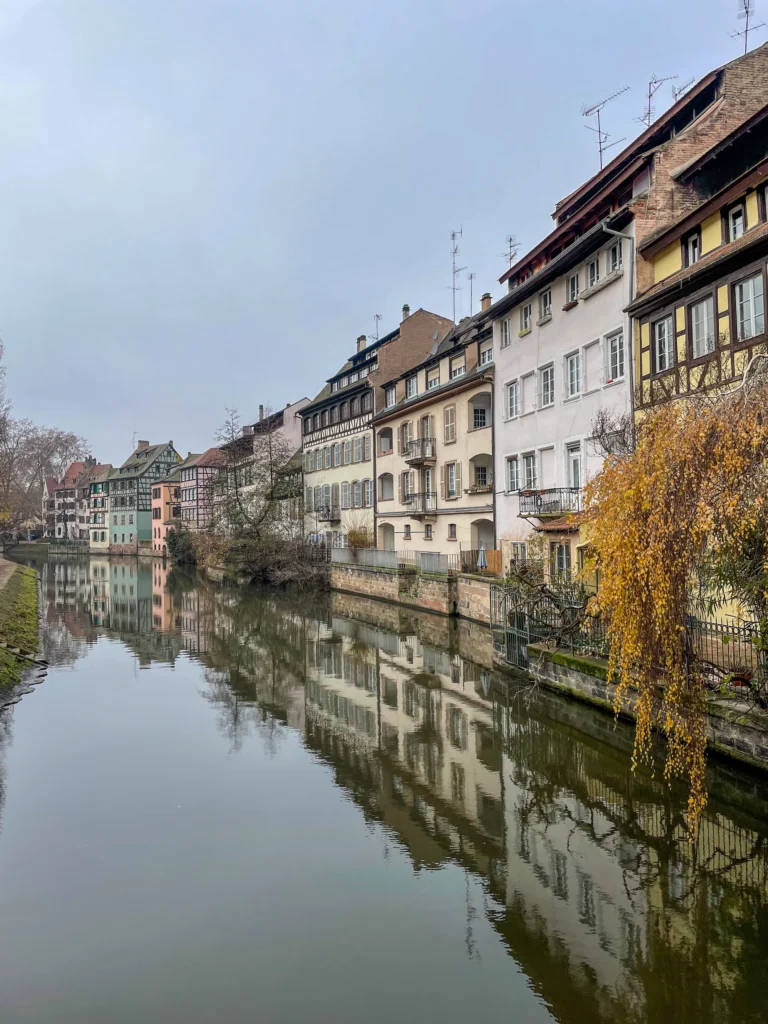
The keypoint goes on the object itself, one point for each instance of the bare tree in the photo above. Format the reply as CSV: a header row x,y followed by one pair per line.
x,y
613,434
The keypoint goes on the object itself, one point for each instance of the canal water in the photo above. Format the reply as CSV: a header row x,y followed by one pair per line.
x,y
234,805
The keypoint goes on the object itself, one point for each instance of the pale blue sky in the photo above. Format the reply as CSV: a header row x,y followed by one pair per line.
x,y
204,202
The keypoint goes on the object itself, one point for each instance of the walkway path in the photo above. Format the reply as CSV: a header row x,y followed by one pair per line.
x,y
6,571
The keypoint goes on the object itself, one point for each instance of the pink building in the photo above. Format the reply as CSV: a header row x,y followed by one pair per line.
x,y
166,511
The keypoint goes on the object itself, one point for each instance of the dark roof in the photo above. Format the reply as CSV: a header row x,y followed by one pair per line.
x,y
139,459
455,384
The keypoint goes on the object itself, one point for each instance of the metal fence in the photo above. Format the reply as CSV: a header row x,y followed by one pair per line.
x,y
380,558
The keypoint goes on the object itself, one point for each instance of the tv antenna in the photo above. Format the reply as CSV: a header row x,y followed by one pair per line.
x,y
677,91
655,83
602,137
376,318
746,11
455,236
513,247
133,442
470,277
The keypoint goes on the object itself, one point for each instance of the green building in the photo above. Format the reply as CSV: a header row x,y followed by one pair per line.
x,y
130,496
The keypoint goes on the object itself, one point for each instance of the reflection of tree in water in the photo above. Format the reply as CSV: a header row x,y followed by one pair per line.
x,y
6,737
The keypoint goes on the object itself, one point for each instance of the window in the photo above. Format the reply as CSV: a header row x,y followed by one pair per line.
x,y
411,389
335,414
572,288
486,353
573,374
458,367
308,425
529,470
545,303
367,402
736,223
703,327
346,453
122,520
614,257
385,440
449,424
547,386
433,378
405,484
334,386
560,556
366,449
114,520
691,249
324,418
336,455
390,397
353,377
663,344
406,532
479,417
513,473
750,311
573,464
526,314
481,476
451,531
519,551
427,531
357,449
386,487
614,357
316,421
513,399
593,272
354,407
345,410
450,480
367,493
506,332
327,456
345,494
357,494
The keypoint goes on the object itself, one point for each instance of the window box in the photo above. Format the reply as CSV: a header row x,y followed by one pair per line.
x,y
522,334
570,305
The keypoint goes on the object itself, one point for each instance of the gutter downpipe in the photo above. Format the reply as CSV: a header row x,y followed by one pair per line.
x,y
630,332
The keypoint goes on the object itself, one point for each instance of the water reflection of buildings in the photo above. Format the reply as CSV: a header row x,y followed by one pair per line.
x,y
589,878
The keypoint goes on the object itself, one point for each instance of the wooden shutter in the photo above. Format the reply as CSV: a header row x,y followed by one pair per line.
x,y
444,482
432,426
400,487
366,448
411,481
458,480
399,440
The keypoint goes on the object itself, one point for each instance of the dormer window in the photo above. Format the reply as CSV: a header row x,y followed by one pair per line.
x,y
433,378
389,397
411,389
736,222
691,249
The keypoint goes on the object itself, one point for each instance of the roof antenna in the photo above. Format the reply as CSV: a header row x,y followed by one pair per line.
x,y
376,318
602,137
746,12
655,83
513,247
677,91
470,277
455,235
133,442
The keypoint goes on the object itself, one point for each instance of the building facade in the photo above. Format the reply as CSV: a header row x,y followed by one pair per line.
x,y
130,496
98,509
197,477
166,510
338,434
59,505
434,448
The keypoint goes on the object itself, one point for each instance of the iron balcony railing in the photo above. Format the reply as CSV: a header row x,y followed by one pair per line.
x,y
329,513
553,501
421,502
421,449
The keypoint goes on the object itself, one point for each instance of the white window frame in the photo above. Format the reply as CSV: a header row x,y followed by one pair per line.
x,y
390,397
734,211
663,344
434,381
450,487
530,480
572,293
608,357
708,302
512,474
513,399
357,449
593,279
526,317
506,333
411,386
574,359
486,353
692,248
614,257
755,321
547,375
545,303
460,369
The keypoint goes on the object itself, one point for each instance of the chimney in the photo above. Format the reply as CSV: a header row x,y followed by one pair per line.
x,y
142,445
361,343
406,311
261,413
485,302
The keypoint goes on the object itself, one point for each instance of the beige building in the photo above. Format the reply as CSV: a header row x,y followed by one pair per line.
x,y
434,447
338,434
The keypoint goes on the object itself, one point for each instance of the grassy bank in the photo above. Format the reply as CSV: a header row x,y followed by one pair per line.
x,y
18,622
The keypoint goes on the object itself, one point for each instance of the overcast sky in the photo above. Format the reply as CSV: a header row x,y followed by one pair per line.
x,y
205,202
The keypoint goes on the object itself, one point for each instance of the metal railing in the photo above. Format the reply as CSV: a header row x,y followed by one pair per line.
x,y
421,502
382,558
420,449
328,513
553,501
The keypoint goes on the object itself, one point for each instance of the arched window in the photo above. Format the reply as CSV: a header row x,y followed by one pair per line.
x,y
316,421
354,407
345,410
308,425
385,440
324,418
386,487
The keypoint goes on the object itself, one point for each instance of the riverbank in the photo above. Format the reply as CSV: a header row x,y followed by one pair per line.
x,y
19,619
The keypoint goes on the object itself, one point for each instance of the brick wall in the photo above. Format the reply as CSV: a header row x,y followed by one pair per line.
x,y
744,91
370,582
417,336
474,599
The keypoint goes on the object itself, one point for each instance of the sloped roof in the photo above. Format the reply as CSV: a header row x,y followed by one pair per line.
x,y
141,458
70,477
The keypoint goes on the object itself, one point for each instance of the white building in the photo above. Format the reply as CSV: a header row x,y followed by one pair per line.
x,y
563,352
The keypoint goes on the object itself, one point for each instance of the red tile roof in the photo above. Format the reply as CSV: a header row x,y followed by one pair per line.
x,y
564,524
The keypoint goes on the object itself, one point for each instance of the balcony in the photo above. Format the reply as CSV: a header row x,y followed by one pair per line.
x,y
328,514
420,451
422,504
553,501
